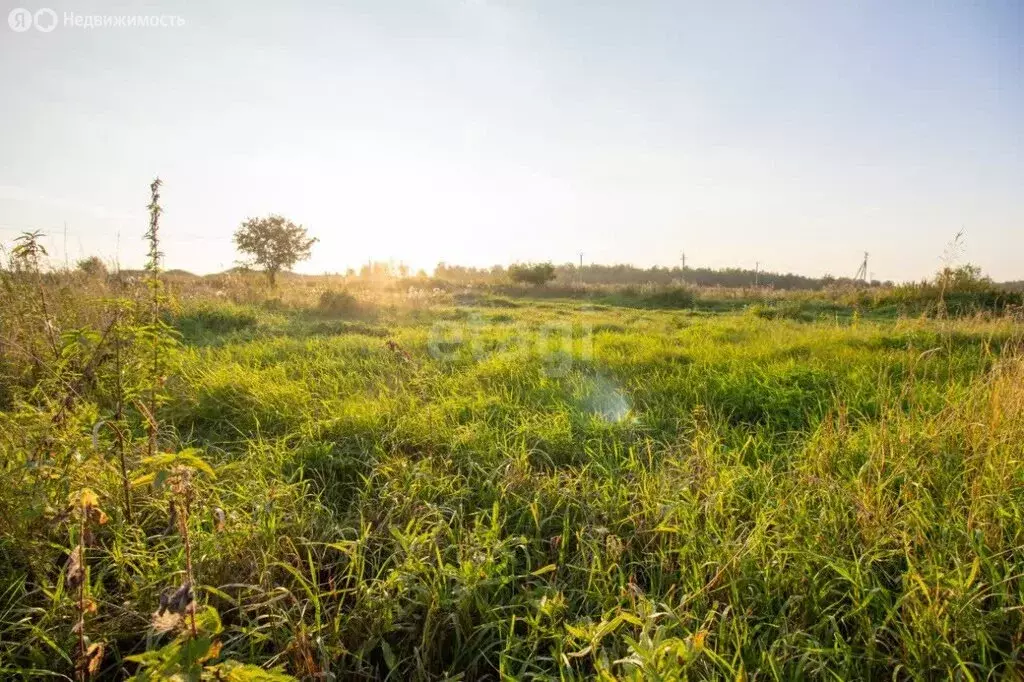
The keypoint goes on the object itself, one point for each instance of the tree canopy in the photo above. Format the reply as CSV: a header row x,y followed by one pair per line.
x,y
273,243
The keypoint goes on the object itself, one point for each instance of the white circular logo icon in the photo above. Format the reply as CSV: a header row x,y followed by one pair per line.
x,y
20,19
45,20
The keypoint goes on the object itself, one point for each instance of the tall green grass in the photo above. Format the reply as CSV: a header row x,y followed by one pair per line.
x,y
669,495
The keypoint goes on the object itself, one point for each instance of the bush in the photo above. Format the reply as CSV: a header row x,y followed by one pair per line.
x,y
676,297
92,266
337,302
532,273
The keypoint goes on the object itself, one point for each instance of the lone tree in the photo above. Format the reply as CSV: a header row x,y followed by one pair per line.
x,y
92,266
273,243
537,274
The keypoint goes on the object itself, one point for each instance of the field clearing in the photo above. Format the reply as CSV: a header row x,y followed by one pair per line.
x,y
544,489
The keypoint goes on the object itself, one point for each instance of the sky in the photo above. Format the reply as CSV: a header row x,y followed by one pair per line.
x,y
795,134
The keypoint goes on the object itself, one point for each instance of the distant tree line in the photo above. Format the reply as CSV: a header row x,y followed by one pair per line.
x,y
624,274
962,278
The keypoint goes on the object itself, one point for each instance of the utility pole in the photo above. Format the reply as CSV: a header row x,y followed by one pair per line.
x,y
67,263
682,266
579,276
862,271
757,269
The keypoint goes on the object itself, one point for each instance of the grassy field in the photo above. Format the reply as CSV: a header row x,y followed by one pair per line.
x,y
515,488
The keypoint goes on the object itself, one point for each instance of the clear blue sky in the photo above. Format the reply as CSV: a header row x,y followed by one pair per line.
x,y
797,134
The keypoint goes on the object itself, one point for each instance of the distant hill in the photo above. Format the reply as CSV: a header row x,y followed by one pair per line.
x,y
126,272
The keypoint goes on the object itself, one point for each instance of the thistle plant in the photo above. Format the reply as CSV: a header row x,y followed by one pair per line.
x,y
192,652
86,510
156,295
27,298
173,474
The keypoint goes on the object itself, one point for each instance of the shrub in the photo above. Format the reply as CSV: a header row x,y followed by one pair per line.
x,y
337,302
92,266
532,273
676,297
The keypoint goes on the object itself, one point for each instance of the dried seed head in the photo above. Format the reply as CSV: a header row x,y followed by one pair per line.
x,y
95,654
219,519
97,515
175,604
181,599
75,568
165,621
165,598
172,518
89,662
180,480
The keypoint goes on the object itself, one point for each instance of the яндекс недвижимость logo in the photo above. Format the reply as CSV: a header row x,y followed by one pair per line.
x,y
45,20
